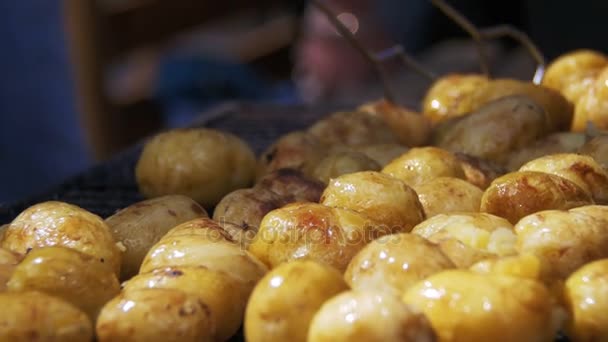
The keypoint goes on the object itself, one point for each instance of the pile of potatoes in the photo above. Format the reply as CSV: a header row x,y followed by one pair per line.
x,y
483,218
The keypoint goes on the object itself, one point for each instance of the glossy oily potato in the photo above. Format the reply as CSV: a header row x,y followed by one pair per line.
x,y
586,293
467,238
139,226
446,195
562,142
442,100
352,129
465,306
521,265
382,153
393,263
80,279
342,163
362,316
200,163
592,105
8,262
331,236
298,150
285,300
35,316
582,170
61,224
597,148
563,240
151,315
422,164
384,199
518,194
224,296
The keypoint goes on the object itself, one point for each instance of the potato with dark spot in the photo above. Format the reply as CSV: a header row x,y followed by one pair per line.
x,y
562,142
446,195
597,148
139,226
342,163
296,150
421,164
522,193
352,129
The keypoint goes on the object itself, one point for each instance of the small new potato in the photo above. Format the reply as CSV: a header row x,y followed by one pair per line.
x,y
597,148
518,194
395,262
422,164
352,129
463,306
86,282
35,316
200,163
382,153
139,226
385,199
151,315
61,224
298,150
225,297
561,142
586,293
467,238
8,262
362,316
342,163
285,300
446,195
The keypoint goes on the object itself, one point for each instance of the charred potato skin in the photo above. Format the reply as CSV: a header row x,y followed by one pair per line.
x,y
278,310
518,194
445,195
139,226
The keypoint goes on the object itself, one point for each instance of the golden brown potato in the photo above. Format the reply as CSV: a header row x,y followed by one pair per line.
x,y
359,316
285,300
445,195
422,164
386,200
597,148
586,293
331,236
465,306
467,238
35,316
342,163
139,226
78,278
442,100
521,265
61,224
573,73
592,105
562,142
150,315
382,153
518,194
352,129
8,262
224,296
496,129
395,262
562,240
479,172
584,171
203,164
411,128
296,150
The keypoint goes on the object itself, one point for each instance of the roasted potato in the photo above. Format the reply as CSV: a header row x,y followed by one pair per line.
x,y
386,200
285,300
582,170
445,195
331,236
139,226
225,297
150,315
342,163
465,306
563,240
3,229
247,207
296,150
521,265
597,148
395,262
203,164
35,316
586,293
422,164
592,105
8,262
86,282
562,142
61,224
360,316
442,100
496,129
411,128
518,194
352,129
382,153
479,172
467,238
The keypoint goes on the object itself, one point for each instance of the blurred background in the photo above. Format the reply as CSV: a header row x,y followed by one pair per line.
x,y
85,79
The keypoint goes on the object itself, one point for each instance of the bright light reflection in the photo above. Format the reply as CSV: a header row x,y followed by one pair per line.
x,y
276,281
128,306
